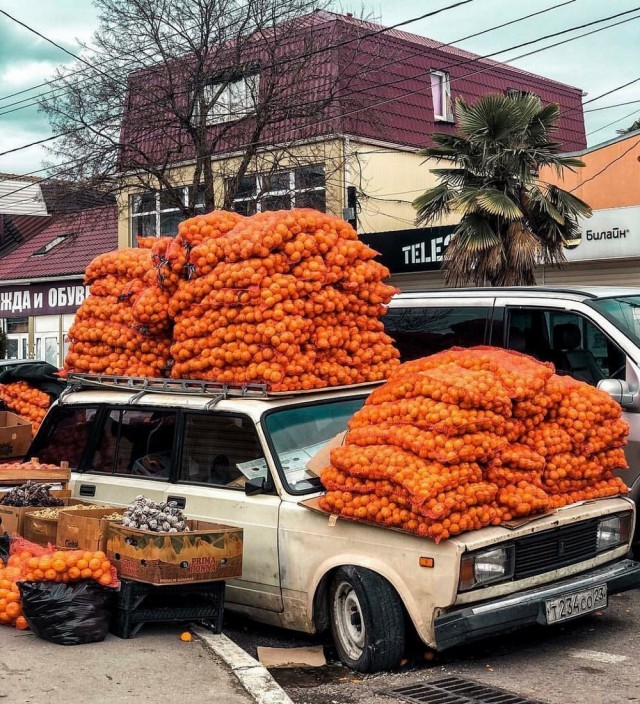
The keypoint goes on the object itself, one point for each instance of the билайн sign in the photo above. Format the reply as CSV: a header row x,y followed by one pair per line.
x,y
608,234
52,298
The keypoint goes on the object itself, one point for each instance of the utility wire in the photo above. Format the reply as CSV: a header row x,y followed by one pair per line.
x,y
285,59
368,107
607,166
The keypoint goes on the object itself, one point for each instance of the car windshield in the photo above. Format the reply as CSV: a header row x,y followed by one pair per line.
x,y
298,433
623,312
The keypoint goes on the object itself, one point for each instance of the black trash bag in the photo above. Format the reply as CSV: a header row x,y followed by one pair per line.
x,y
40,375
5,544
67,614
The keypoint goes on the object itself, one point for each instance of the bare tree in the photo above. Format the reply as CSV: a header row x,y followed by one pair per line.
x,y
178,83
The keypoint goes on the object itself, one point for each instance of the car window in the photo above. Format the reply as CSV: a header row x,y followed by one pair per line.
x,y
298,433
64,435
220,450
573,343
135,442
422,331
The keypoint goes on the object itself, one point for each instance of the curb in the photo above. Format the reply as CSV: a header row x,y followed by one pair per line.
x,y
253,676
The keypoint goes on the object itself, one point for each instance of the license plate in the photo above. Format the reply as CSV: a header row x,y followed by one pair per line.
x,y
576,604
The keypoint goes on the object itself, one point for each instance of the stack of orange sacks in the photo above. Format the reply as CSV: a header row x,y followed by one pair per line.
x,y
290,298
471,437
26,401
122,328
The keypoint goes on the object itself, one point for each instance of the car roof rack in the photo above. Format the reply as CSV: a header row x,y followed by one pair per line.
x,y
200,387
147,385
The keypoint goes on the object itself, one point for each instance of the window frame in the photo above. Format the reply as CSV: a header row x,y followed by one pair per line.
x,y
158,211
181,428
223,110
261,190
444,111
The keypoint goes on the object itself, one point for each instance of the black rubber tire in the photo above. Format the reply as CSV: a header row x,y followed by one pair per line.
x,y
382,620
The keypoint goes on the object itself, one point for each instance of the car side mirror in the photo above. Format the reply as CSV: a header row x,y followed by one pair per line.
x,y
619,390
257,485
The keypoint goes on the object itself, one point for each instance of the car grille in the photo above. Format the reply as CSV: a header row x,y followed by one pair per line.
x,y
553,549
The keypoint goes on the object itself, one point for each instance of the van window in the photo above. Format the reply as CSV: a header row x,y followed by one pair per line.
x,y
574,344
422,331
135,442
64,435
221,450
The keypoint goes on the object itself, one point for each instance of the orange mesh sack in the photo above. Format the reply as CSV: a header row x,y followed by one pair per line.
x,y
472,447
425,413
521,375
448,384
46,564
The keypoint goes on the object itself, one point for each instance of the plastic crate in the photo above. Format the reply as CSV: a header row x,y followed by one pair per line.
x,y
133,595
138,604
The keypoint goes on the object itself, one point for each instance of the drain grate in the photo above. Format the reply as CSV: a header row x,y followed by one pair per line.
x,y
456,690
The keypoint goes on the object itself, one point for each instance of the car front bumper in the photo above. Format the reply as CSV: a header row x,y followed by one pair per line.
x,y
527,607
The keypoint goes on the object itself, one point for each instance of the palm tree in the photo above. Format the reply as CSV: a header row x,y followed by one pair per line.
x,y
510,222
635,126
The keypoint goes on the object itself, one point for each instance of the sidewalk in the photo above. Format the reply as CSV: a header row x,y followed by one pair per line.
x,y
155,667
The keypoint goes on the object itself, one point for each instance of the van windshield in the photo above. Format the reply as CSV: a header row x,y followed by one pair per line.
x,y
623,312
298,433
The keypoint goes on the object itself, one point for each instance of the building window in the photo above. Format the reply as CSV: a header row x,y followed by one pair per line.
x,y
230,101
302,187
156,213
441,94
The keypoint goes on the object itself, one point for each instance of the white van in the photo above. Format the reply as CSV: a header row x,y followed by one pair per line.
x,y
238,456
591,333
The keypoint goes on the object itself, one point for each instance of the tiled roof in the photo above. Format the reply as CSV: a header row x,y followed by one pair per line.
x,y
90,233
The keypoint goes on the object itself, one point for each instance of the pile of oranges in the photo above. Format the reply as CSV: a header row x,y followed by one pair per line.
x,y
288,298
472,437
123,327
26,401
33,563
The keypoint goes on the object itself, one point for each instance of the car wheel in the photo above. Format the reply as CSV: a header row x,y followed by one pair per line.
x,y
367,620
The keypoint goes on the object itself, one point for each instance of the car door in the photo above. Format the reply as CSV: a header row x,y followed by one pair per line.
x,y
131,452
580,343
218,453
423,325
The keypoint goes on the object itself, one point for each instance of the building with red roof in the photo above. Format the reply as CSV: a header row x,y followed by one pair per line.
x,y
41,280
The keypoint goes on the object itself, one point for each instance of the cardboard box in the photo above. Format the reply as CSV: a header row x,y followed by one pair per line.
x,y
12,517
209,551
43,530
15,435
84,530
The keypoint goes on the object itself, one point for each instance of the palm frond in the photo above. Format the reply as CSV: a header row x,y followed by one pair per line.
x,y
433,204
497,203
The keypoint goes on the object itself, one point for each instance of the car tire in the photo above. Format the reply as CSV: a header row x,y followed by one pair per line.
x,y
367,620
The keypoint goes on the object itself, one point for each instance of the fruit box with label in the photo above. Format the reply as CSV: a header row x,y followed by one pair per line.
x,y
84,530
208,551
15,435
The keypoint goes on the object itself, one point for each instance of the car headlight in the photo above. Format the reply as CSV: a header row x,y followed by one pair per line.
x,y
613,532
486,567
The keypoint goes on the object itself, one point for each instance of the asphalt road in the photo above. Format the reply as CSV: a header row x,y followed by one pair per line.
x,y
592,660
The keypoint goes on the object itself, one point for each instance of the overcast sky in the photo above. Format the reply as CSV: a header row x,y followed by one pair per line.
x,y
594,63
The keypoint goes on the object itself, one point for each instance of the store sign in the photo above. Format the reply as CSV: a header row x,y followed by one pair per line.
x,y
42,299
411,250
608,234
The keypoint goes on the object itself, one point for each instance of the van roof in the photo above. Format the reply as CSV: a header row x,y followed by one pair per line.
x,y
252,407
573,293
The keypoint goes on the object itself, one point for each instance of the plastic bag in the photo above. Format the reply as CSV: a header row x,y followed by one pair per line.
x,y
67,614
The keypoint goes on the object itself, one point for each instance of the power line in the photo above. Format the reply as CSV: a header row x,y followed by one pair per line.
x,y
285,60
604,168
613,122
610,107
368,107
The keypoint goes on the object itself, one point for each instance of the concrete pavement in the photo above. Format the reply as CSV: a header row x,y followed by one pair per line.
x,y
155,667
